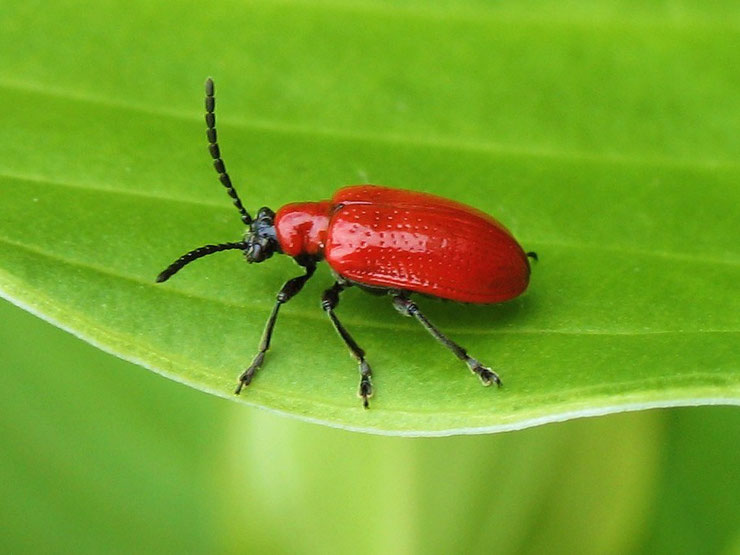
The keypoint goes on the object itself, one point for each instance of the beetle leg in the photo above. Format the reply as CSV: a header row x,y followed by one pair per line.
x,y
329,301
287,292
408,307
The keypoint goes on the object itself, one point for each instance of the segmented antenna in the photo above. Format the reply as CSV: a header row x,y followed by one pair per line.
x,y
175,267
218,164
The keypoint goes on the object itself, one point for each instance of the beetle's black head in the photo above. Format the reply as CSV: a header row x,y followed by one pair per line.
x,y
260,240
260,243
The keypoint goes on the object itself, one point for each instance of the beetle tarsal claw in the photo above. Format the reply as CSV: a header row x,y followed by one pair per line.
x,y
365,391
486,375
246,378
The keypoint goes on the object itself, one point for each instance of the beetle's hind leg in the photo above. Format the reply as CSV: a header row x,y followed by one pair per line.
x,y
407,307
329,301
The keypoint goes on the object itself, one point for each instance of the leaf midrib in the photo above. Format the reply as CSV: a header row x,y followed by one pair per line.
x,y
53,255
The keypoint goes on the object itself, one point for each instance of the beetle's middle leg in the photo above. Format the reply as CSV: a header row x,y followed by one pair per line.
x,y
329,301
407,307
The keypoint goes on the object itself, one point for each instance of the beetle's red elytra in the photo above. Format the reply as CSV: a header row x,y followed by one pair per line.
x,y
415,242
383,240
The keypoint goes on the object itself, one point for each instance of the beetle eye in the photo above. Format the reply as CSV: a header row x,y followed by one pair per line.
x,y
254,253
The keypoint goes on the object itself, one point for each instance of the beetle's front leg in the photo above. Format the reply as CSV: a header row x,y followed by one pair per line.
x,y
287,292
329,301
408,307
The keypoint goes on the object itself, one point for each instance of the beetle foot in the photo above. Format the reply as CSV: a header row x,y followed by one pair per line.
x,y
486,375
366,386
365,391
246,378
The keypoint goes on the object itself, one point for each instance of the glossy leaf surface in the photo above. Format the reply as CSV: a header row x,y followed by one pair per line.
x,y
607,142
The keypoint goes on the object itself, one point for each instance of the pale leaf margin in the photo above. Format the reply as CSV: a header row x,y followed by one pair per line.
x,y
50,311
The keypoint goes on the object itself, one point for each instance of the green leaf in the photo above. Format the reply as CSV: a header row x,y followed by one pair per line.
x,y
608,142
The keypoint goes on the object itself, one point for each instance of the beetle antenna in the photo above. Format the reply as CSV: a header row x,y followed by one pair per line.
x,y
218,163
200,252
533,255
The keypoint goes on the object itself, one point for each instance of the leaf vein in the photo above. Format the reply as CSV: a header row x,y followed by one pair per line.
x,y
670,255
439,142
316,315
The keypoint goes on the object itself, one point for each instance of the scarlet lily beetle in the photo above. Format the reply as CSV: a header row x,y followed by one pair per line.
x,y
384,241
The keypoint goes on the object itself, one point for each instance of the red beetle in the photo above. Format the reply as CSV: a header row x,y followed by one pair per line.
x,y
385,241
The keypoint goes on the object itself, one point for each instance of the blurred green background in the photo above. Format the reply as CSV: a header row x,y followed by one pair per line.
x,y
99,455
